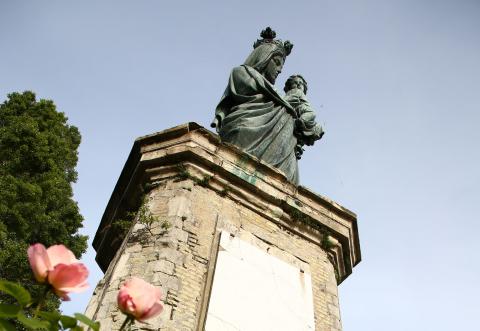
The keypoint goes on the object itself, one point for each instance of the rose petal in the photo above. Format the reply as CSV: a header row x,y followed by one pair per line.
x,y
39,261
60,254
124,301
143,295
68,278
63,295
76,289
156,309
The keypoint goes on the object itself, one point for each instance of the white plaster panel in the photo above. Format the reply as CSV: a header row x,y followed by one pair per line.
x,y
253,290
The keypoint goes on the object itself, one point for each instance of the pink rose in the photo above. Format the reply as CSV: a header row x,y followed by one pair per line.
x,y
58,266
139,299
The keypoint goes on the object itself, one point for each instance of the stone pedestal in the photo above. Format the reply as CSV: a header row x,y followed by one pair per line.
x,y
228,230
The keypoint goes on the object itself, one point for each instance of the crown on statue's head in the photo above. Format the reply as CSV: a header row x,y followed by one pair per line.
x,y
268,36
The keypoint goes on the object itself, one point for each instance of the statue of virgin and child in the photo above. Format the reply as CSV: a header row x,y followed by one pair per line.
x,y
253,116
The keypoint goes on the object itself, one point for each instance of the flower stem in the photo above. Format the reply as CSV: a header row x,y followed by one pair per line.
x,y
41,301
126,323
37,310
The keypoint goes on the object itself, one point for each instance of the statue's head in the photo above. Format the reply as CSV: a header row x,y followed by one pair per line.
x,y
268,55
296,82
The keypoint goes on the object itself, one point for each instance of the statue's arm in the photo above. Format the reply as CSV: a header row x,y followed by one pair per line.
x,y
306,127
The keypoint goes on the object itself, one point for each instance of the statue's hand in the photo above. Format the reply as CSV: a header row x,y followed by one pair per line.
x,y
299,126
299,151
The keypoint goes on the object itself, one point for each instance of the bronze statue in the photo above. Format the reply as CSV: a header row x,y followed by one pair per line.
x,y
255,117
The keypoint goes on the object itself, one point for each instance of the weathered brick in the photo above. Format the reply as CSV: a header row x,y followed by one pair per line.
x,y
164,266
172,255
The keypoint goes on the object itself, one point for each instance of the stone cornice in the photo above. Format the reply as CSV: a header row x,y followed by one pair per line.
x,y
234,175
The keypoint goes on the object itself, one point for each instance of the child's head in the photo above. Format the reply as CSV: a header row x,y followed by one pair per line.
x,y
296,81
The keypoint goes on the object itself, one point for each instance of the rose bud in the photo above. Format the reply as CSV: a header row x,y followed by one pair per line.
x,y
139,299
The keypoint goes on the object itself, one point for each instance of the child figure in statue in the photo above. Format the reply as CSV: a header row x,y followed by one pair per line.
x,y
306,129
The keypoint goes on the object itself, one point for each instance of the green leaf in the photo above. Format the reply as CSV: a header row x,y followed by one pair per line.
x,y
53,317
50,315
16,291
7,311
7,326
33,323
85,320
76,328
68,321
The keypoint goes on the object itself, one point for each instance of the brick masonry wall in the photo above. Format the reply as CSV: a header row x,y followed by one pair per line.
x,y
177,260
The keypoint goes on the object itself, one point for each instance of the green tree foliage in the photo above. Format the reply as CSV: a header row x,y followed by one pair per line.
x,y
38,155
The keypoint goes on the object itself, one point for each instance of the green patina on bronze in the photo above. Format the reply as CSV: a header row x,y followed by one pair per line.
x,y
252,179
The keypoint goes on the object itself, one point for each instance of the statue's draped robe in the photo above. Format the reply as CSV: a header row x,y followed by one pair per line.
x,y
253,116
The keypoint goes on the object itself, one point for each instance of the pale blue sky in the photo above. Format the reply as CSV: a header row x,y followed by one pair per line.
x,y
396,83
